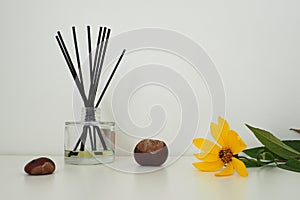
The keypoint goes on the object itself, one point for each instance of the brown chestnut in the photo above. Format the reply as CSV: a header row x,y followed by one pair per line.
x,y
40,166
150,152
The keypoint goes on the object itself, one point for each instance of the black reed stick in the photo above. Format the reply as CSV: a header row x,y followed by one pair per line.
x,y
97,48
83,138
101,63
100,55
91,138
77,55
66,53
101,137
110,78
71,66
90,51
96,66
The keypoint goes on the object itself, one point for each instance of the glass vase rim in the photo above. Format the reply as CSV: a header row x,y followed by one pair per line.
x,y
105,123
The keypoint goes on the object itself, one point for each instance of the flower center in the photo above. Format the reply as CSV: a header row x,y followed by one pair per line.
x,y
225,155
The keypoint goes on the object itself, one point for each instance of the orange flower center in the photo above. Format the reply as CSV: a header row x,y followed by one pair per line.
x,y
225,155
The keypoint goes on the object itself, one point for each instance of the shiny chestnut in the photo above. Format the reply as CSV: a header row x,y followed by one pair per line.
x,y
40,166
149,152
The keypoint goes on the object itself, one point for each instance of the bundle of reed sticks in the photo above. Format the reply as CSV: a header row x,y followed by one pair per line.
x,y
95,61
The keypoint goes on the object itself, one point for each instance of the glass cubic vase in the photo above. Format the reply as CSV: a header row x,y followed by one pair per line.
x,y
89,141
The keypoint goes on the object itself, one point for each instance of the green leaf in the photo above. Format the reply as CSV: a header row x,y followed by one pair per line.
x,y
253,152
266,156
251,162
295,144
263,152
292,165
274,144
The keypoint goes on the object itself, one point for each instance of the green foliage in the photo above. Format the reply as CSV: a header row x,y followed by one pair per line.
x,y
251,162
292,165
284,154
274,144
261,152
295,144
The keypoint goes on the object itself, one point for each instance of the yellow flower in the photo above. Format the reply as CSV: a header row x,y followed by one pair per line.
x,y
216,156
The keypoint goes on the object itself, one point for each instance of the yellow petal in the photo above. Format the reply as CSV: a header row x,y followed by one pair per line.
x,y
218,131
209,166
207,157
206,145
227,171
234,142
239,167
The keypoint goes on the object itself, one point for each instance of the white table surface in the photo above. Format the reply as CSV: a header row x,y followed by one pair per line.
x,y
178,181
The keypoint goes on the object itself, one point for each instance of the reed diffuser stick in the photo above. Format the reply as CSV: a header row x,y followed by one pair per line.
x,y
101,62
97,48
71,67
77,55
90,51
110,78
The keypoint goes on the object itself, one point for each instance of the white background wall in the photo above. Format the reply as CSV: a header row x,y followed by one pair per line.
x,y
255,46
